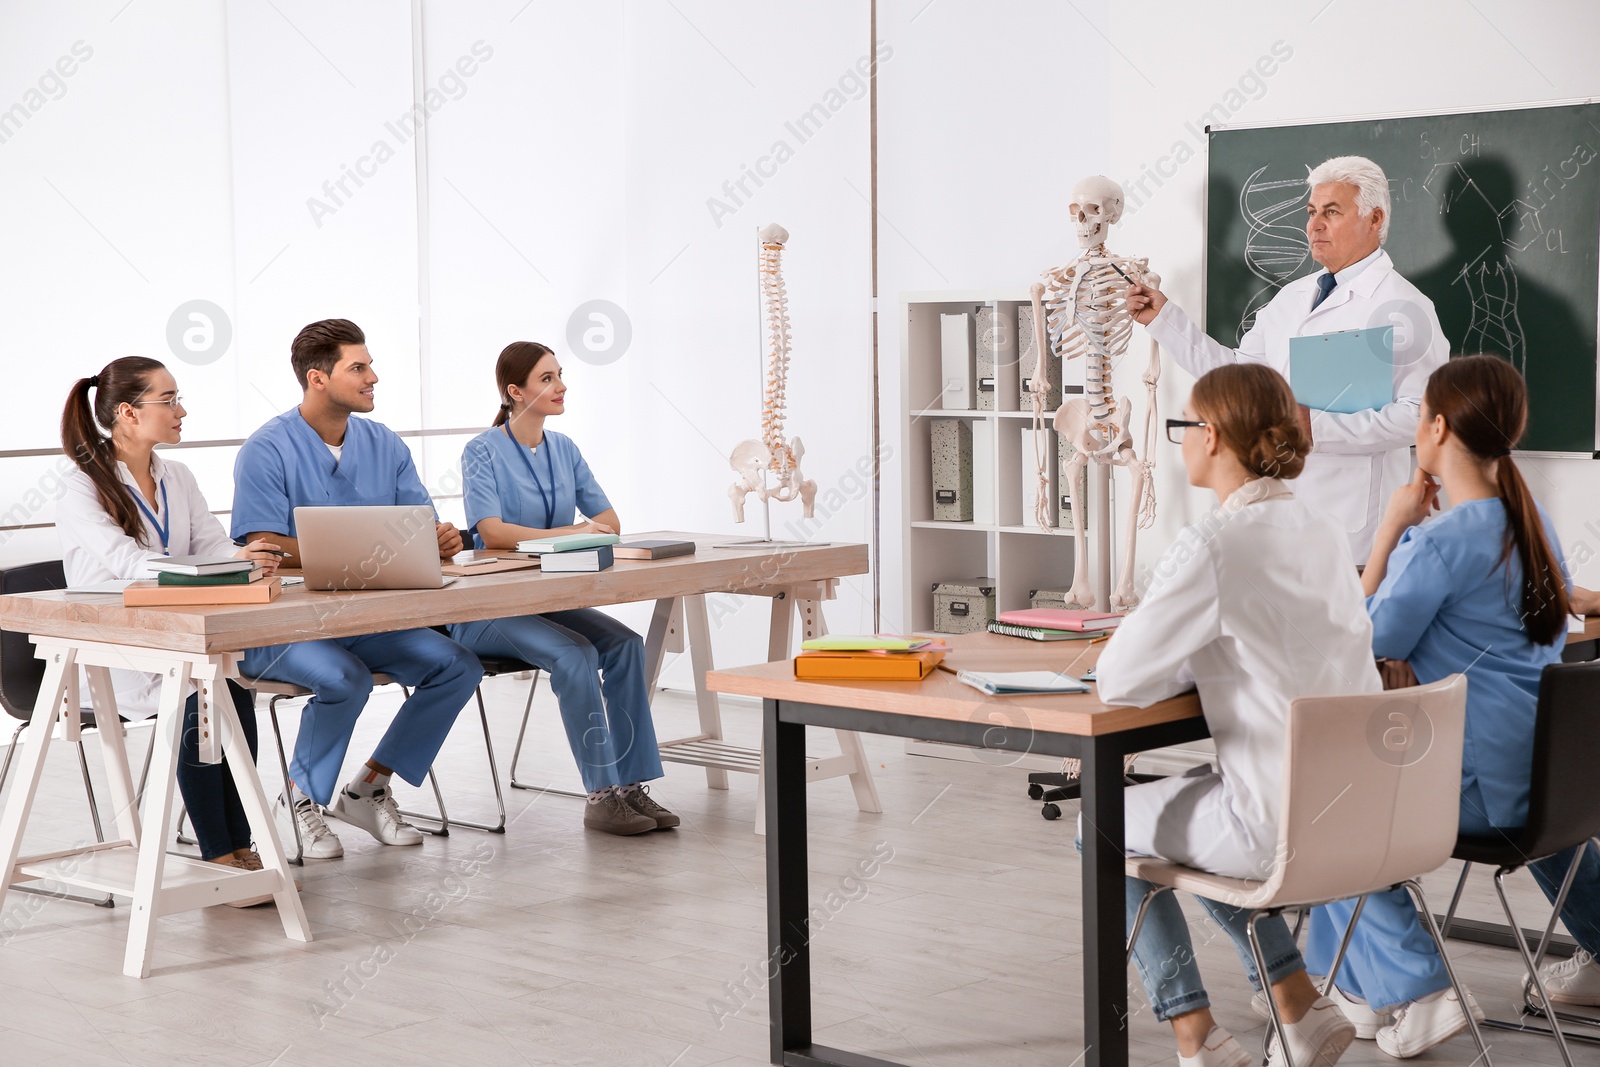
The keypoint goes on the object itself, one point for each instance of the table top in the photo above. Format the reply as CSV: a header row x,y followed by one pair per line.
x,y
940,696
301,614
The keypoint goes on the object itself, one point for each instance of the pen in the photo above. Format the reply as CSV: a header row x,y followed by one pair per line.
x,y
273,551
1118,269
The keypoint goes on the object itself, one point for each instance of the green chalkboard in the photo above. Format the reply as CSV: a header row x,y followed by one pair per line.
x,y
1496,217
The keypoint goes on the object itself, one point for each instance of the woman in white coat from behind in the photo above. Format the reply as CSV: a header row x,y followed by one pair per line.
x,y
1254,605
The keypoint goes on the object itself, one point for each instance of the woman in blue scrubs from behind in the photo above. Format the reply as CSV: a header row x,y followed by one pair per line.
x,y
1480,590
522,482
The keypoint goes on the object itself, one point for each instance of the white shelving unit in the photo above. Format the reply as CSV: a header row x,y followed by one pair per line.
x,y
1017,555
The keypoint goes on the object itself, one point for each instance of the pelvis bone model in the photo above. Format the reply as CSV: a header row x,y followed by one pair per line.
x,y
773,453
1082,308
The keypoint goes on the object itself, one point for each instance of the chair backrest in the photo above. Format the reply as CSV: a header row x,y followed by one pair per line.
x,y
1372,790
21,672
1566,751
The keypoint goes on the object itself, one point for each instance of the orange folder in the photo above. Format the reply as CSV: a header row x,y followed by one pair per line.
x,y
866,666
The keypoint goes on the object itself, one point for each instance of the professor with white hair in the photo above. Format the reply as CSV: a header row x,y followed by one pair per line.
x,y
1358,459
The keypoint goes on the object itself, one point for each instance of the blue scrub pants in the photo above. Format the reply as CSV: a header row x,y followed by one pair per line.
x,y
220,824
440,673
596,667
1393,961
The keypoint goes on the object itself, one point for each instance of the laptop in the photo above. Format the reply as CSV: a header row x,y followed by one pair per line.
x,y
380,547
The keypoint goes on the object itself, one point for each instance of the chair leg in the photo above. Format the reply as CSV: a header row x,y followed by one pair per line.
x,y
1455,900
299,857
144,775
1532,964
11,750
1344,946
183,815
516,754
443,818
1266,987
1138,917
1299,924
1414,887
1533,1006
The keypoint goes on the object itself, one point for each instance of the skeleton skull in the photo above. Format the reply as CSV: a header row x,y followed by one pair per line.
x,y
1096,206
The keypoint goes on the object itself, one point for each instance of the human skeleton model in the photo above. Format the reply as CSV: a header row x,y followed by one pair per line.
x,y
1087,316
752,459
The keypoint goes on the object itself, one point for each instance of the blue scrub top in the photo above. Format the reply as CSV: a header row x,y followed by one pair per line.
x,y
1447,606
285,465
498,484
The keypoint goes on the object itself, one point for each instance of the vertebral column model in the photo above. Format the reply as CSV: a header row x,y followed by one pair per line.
x,y
774,453
1081,308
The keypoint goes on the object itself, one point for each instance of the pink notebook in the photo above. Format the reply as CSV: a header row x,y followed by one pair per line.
x,y
1061,619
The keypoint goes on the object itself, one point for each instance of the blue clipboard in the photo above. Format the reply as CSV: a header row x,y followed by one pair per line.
x,y
1343,372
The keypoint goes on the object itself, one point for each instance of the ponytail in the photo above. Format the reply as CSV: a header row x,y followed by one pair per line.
x,y
122,381
1484,402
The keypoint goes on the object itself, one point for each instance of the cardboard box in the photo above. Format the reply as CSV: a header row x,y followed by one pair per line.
x,y
951,442
963,605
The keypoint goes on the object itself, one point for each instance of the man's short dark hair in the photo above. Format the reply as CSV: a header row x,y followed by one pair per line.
x,y
316,347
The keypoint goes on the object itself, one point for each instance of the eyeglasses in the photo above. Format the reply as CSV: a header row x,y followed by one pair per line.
x,y
1175,428
175,403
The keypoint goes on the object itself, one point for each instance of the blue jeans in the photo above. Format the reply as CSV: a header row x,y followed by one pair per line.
x,y
440,673
1392,960
596,667
220,825
1164,952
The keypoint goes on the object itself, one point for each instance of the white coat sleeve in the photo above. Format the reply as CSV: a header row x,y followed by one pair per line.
x,y
93,547
1194,349
1395,424
1146,659
207,535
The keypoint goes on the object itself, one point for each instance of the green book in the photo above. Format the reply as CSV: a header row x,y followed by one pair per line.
x,y
567,542
254,574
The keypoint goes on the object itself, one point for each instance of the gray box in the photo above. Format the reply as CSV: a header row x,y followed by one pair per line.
x,y
963,605
1070,495
1028,358
1047,598
952,469
990,340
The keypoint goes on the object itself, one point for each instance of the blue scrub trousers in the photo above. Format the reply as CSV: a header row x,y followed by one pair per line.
x,y
596,667
220,824
440,673
1393,961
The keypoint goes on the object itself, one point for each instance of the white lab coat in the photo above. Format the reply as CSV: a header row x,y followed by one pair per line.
x,y
1255,605
94,549
1358,460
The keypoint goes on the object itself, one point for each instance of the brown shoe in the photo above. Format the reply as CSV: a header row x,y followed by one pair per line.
x,y
247,902
639,800
614,815
250,860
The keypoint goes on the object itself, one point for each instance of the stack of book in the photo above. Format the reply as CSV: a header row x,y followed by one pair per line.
x,y
1055,624
844,657
201,580
571,552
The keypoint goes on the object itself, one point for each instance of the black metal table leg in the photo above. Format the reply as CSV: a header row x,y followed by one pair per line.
x,y
789,952
1105,971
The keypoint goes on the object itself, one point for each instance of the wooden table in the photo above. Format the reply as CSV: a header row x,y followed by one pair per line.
x,y
203,645
942,709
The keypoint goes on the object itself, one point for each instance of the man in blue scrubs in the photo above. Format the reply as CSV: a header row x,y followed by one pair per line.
x,y
318,455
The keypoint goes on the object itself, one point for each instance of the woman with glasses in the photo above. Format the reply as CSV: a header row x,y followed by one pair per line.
x,y
1254,605
124,506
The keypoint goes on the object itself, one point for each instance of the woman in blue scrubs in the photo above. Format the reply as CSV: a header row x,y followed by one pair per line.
x,y
1480,590
523,481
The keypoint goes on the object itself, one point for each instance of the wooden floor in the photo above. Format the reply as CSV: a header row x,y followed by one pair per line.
x,y
551,945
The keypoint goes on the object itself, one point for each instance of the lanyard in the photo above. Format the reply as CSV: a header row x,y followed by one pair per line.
x,y
165,531
548,495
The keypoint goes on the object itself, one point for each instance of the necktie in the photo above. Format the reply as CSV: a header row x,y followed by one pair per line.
x,y
1325,286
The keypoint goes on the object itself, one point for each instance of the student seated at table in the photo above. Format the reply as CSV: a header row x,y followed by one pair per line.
x,y
524,481
1479,590
318,454
1213,618
124,506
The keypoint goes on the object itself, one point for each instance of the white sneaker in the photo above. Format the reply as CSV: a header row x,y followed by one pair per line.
x,y
317,842
1317,1040
1361,1014
1219,1049
1572,981
377,814
1422,1024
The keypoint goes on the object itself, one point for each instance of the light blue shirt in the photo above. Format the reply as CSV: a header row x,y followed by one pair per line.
x,y
499,485
285,465
1447,605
